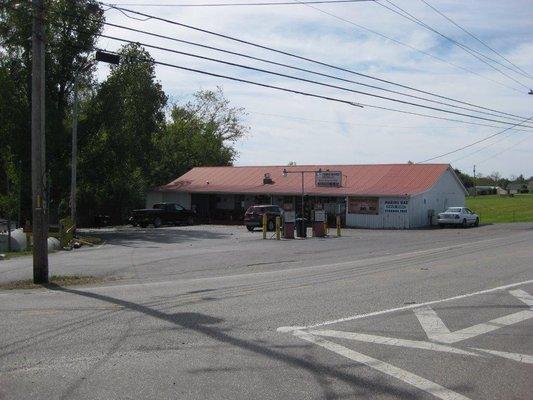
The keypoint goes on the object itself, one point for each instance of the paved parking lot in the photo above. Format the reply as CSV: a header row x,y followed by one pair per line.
x,y
168,253
215,312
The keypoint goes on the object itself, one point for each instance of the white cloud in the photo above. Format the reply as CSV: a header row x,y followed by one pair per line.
x,y
353,135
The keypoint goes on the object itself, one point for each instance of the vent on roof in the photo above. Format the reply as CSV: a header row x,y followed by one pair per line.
x,y
267,179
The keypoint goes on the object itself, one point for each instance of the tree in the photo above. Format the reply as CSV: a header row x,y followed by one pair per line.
x,y
72,28
200,133
466,179
9,189
117,128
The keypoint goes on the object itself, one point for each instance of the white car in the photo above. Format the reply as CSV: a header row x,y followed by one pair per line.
x,y
458,216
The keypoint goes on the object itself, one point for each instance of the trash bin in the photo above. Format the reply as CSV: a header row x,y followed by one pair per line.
x,y
301,229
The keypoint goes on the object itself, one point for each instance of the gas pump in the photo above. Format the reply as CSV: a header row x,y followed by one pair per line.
x,y
289,220
318,223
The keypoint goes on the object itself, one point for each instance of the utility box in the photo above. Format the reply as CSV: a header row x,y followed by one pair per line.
x,y
289,219
318,223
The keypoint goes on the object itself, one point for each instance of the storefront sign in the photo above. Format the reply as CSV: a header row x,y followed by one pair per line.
x,y
328,179
320,216
396,206
363,205
289,216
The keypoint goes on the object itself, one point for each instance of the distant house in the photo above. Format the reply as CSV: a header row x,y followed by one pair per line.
x,y
484,189
515,188
530,186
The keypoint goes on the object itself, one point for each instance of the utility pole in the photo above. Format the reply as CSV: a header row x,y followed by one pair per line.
x,y
475,187
74,152
9,212
38,155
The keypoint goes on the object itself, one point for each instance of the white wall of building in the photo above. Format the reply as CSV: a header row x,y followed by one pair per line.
x,y
447,192
183,199
393,213
414,211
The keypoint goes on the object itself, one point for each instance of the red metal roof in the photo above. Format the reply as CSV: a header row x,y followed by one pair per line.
x,y
360,180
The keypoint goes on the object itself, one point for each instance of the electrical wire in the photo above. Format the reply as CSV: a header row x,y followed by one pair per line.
x,y
481,149
405,94
474,143
303,58
440,59
370,125
503,151
497,113
475,37
474,53
358,104
265,3
351,103
270,72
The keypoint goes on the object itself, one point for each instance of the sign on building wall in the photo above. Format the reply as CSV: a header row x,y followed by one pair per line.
x,y
363,205
328,179
396,206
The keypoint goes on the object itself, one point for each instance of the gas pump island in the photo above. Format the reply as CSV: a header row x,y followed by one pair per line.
x,y
319,217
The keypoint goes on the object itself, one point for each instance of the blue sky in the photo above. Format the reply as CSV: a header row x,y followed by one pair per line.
x,y
287,127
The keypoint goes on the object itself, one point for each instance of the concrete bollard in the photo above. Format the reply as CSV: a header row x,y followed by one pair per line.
x,y
265,222
338,226
278,228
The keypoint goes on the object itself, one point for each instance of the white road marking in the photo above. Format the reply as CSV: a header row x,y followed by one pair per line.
x,y
523,296
430,322
389,341
485,327
524,358
409,307
405,376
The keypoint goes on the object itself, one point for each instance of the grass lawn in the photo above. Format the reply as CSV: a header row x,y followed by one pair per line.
x,y
496,208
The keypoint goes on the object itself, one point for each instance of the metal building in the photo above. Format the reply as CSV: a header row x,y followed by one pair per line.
x,y
398,196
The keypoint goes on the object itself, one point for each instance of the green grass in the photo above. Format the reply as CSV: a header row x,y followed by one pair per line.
x,y
494,208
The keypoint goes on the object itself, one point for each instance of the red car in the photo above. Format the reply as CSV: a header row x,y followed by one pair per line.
x,y
253,218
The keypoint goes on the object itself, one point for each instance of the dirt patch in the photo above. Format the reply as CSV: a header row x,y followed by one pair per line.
x,y
59,280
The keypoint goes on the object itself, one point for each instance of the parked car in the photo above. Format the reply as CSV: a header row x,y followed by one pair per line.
x,y
163,214
458,216
253,217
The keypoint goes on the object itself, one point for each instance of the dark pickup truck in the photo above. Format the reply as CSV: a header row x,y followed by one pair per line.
x,y
163,214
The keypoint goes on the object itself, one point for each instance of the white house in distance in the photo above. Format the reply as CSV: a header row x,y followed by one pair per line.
x,y
397,196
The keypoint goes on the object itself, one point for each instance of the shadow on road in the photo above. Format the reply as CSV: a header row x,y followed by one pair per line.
x,y
206,325
130,237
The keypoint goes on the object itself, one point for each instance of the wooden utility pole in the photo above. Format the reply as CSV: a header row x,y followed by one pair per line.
x,y
475,188
74,152
38,157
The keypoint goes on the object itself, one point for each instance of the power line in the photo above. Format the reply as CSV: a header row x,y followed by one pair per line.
x,y
474,53
503,151
358,104
351,103
498,113
474,37
369,125
474,143
481,149
383,108
266,3
411,47
302,57
270,72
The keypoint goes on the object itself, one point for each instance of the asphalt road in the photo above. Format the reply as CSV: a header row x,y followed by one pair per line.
x,y
217,313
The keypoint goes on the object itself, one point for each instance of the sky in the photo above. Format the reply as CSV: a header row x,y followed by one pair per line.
x,y
287,127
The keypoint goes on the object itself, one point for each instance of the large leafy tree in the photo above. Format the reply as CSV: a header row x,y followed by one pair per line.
x,y
117,131
200,133
72,28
